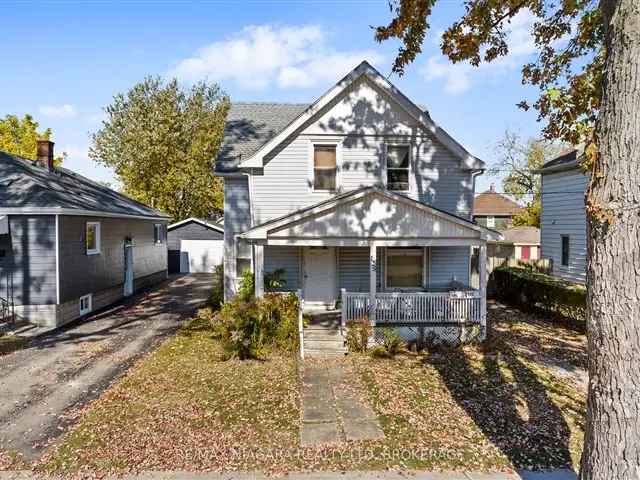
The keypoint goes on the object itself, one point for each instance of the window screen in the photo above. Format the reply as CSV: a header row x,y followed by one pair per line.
x,y
324,167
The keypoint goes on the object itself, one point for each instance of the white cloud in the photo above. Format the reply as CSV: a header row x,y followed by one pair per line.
x,y
58,111
460,77
264,55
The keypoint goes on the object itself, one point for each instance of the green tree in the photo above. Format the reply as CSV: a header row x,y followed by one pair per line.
x,y
162,142
587,70
519,160
19,136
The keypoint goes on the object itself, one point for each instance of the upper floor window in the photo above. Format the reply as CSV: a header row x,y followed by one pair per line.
x,y
324,167
565,250
158,233
92,238
491,222
398,164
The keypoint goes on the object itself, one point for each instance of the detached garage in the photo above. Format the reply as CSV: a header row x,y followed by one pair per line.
x,y
195,246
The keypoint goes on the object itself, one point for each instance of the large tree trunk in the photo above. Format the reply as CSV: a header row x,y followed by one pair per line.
x,y
612,438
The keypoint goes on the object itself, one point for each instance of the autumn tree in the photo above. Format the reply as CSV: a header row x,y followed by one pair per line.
x,y
162,142
587,70
517,164
19,136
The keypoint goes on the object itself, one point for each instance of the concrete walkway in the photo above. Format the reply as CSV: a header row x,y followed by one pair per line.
x,y
63,370
382,475
332,411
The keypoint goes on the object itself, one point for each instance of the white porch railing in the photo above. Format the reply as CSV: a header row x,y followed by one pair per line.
x,y
418,307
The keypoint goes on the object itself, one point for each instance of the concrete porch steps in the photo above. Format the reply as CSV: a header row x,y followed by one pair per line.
x,y
323,336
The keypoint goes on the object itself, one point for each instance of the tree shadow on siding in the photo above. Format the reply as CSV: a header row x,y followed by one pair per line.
x,y
509,403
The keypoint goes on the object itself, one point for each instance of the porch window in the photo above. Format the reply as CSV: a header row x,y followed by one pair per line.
x,y
324,167
398,167
405,267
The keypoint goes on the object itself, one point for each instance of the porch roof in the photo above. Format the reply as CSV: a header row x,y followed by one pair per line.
x,y
370,214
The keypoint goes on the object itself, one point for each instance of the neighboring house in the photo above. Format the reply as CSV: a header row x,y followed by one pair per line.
x,y
360,197
563,220
525,242
69,246
195,246
494,210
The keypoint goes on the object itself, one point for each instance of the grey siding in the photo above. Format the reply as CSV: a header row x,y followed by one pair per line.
x,y
237,218
30,259
284,257
447,264
191,231
81,274
563,213
353,269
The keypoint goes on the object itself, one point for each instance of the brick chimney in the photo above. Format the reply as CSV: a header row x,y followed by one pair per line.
x,y
45,154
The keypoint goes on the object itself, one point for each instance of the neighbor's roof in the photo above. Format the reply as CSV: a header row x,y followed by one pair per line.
x,y
524,235
565,161
205,223
492,203
251,125
26,187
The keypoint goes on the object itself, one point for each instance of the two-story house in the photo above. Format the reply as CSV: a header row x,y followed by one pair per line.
x,y
360,197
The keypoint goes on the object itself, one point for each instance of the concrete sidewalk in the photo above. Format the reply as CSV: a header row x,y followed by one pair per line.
x,y
375,475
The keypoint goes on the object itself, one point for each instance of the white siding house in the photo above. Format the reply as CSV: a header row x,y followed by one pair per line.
x,y
356,196
563,221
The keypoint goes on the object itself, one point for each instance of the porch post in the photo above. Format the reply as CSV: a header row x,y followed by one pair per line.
x,y
372,283
258,269
482,261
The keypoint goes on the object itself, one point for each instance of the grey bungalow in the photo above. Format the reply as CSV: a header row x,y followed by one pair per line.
x,y
69,246
361,198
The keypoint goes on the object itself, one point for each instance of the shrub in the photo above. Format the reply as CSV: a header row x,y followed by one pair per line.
x,y
358,333
217,293
247,286
530,290
391,344
251,328
275,280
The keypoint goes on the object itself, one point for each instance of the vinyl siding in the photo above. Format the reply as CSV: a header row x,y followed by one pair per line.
x,y
287,258
448,263
353,269
191,231
563,213
81,274
237,218
29,259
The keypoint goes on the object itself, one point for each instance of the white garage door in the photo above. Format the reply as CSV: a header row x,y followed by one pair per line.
x,y
200,256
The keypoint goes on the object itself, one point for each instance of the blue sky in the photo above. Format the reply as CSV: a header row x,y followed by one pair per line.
x,y
64,61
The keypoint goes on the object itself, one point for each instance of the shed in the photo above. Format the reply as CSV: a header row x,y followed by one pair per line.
x,y
195,246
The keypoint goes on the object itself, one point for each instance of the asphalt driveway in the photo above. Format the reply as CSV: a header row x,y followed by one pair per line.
x,y
42,385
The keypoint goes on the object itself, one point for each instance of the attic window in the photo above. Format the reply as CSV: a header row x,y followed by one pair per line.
x,y
324,167
398,165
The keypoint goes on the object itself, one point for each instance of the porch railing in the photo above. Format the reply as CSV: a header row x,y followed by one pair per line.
x,y
418,307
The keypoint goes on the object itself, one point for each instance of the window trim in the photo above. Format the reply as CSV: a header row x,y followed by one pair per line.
x,y
385,173
390,252
89,309
98,228
311,172
562,237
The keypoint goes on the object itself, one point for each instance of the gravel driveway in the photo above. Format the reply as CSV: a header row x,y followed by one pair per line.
x,y
69,367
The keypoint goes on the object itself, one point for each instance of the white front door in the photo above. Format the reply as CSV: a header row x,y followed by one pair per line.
x,y
320,276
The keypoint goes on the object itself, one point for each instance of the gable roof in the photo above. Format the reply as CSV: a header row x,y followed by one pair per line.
x,y
567,160
255,158
522,235
200,221
322,208
251,125
492,203
26,187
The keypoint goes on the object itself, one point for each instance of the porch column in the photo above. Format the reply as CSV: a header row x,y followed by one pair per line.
x,y
372,283
482,266
258,269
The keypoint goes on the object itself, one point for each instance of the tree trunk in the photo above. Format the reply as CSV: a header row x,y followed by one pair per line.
x,y
612,437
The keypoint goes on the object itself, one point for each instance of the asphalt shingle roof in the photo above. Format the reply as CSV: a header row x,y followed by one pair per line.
x,y
566,159
492,203
26,185
526,235
251,125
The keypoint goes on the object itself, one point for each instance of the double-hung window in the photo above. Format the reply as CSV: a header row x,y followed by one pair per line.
x,y
405,268
324,167
92,238
398,167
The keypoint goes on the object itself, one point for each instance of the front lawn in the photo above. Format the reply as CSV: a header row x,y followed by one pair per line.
x,y
184,408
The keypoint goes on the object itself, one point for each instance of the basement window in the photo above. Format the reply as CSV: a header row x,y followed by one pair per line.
x,y
85,304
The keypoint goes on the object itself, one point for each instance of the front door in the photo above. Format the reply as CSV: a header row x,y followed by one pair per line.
x,y
320,276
